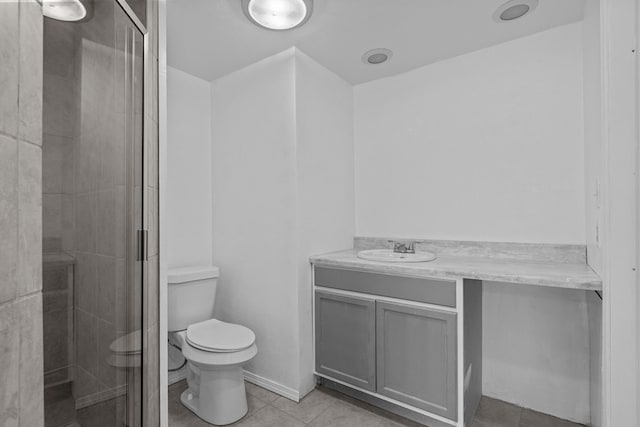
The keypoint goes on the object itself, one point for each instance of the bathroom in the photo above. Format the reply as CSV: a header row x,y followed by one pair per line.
x,y
189,198
472,130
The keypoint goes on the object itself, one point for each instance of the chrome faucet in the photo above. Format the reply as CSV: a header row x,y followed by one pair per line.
x,y
404,247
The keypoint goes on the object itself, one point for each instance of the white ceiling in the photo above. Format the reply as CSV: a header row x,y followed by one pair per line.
x,y
211,38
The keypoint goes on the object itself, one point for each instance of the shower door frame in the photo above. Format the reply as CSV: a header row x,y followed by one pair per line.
x,y
142,238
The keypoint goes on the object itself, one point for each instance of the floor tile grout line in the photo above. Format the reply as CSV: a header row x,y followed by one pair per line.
x,y
322,412
246,418
286,413
314,418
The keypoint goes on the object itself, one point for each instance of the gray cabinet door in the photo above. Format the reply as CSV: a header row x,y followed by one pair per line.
x,y
416,357
345,338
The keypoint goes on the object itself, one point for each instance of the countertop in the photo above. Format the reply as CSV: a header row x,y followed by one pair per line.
x,y
568,275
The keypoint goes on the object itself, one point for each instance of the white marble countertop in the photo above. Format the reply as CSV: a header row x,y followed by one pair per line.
x,y
569,275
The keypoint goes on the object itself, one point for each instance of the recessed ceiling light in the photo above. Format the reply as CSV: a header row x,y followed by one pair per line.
x,y
278,14
377,56
64,10
514,9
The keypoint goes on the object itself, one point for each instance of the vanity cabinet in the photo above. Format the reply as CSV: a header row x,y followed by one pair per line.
x,y
345,338
416,357
401,349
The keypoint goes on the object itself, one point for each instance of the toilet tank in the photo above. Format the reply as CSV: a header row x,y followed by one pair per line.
x,y
191,295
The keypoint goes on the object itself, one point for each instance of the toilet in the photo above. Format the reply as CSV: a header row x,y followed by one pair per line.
x,y
215,351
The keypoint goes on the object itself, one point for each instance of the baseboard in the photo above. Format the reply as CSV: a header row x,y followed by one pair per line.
x,y
101,396
177,376
273,386
265,383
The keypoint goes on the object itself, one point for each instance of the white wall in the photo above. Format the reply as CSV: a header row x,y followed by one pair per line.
x,y
620,239
592,66
611,159
594,313
594,185
326,211
485,146
282,158
536,349
489,146
188,205
254,209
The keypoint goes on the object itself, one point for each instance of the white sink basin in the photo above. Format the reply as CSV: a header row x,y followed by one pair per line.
x,y
387,255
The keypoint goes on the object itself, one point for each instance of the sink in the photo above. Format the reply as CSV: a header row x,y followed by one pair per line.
x,y
388,255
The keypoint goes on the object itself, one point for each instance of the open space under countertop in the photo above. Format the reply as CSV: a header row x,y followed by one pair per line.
x,y
569,274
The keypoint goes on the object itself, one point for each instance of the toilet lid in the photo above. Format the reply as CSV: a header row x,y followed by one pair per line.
x,y
214,335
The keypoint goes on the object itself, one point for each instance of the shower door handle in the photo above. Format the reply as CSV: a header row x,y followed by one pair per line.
x,y
143,245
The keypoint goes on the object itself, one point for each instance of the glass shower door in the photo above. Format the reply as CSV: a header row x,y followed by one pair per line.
x,y
93,209
129,48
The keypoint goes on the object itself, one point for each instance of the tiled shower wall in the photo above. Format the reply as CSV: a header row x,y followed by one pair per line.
x,y
21,394
59,119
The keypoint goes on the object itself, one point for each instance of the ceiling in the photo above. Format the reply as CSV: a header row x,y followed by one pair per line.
x,y
212,38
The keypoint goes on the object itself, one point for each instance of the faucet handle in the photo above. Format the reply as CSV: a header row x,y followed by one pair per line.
x,y
397,246
408,246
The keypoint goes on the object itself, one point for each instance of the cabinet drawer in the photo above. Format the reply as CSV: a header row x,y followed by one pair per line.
x,y
432,291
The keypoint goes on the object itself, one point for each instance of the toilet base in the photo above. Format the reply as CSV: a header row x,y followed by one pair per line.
x,y
216,392
222,393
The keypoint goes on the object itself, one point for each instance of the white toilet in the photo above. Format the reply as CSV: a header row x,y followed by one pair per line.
x,y
215,350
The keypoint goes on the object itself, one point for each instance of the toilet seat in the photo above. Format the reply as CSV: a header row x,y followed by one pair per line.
x,y
211,359
219,337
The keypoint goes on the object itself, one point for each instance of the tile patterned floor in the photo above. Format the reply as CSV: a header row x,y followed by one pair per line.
x,y
326,408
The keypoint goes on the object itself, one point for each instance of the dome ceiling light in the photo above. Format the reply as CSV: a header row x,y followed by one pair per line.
x,y
513,10
64,10
278,14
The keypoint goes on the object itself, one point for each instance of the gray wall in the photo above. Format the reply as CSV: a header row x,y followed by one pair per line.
x,y
21,402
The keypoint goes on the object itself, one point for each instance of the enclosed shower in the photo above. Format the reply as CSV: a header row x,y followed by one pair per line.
x,y
93,210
